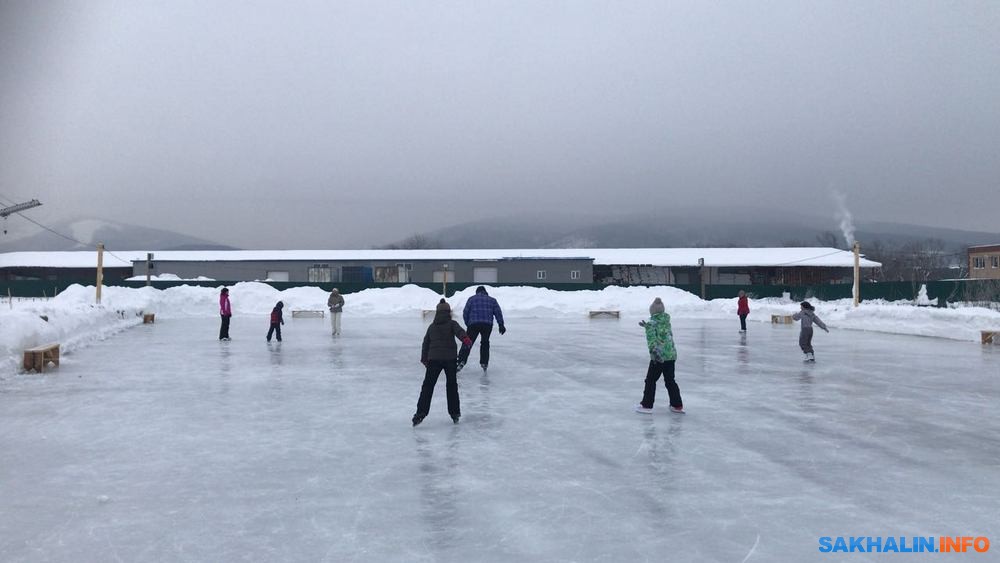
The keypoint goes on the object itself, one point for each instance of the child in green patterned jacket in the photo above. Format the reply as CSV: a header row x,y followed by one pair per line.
x,y
662,355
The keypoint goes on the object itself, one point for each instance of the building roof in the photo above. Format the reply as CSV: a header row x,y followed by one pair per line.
x,y
984,248
681,257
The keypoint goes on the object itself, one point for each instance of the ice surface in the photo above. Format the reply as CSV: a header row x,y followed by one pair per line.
x,y
163,444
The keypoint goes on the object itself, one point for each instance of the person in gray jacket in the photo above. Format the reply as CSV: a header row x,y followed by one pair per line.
x,y
807,314
336,305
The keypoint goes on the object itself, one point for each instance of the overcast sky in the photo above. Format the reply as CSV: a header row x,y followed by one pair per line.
x,y
348,124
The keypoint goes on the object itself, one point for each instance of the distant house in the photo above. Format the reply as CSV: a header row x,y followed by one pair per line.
x,y
556,267
984,262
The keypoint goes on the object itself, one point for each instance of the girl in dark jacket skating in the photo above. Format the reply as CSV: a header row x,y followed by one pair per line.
x,y
276,321
440,352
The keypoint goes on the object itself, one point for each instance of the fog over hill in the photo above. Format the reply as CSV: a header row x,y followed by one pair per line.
x,y
687,228
671,228
84,234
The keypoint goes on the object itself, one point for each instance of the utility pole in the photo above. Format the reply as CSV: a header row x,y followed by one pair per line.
x,y
100,270
444,283
857,273
701,275
149,266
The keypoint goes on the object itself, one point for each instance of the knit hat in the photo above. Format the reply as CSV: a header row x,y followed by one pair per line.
x,y
225,290
335,290
443,306
480,289
656,307
280,304
808,305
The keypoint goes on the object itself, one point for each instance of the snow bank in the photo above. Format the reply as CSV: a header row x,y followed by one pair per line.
x,y
74,321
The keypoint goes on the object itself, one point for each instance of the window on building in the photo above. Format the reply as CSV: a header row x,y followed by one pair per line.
x,y
574,274
541,274
978,262
277,275
320,273
995,261
404,270
386,274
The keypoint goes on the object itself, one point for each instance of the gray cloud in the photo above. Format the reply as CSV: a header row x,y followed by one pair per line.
x,y
351,124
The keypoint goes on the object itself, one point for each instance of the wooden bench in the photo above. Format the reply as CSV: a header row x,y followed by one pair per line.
x,y
782,319
308,314
605,313
36,358
148,318
991,337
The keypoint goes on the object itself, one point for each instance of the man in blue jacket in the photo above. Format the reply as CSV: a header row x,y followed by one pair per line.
x,y
478,315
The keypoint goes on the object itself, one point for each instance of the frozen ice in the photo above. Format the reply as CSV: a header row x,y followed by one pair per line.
x,y
163,444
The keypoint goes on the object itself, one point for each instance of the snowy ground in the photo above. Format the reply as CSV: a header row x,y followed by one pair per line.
x,y
163,444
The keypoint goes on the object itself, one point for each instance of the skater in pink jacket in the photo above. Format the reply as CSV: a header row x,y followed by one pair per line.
x,y
226,311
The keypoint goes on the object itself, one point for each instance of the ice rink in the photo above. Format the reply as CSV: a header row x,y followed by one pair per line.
x,y
163,444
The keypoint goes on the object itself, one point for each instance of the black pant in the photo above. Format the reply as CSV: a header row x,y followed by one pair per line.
x,y
743,322
477,329
224,329
275,327
434,368
667,370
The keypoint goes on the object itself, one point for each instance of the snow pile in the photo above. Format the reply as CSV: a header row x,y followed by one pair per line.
x,y
74,320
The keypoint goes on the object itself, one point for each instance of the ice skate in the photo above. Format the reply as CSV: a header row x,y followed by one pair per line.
x,y
454,419
810,358
678,410
484,366
459,367
641,409
417,419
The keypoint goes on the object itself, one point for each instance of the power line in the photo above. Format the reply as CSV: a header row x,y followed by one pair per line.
x,y
69,238
810,258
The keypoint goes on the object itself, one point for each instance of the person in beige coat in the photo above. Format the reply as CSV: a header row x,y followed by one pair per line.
x,y
336,305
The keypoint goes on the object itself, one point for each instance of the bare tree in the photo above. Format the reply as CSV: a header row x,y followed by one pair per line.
x,y
828,239
413,242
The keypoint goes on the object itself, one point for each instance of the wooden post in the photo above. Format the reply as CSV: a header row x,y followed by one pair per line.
x,y
444,283
857,273
149,266
701,275
100,270
10,300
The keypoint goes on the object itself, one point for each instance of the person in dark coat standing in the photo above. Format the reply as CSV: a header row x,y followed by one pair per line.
x,y
226,311
743,310
478,314
438,353
276,321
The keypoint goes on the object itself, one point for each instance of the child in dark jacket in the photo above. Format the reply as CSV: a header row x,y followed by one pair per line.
x,y
276,321
439,352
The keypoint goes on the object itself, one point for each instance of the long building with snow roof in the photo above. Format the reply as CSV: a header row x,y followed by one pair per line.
x,y
613,266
